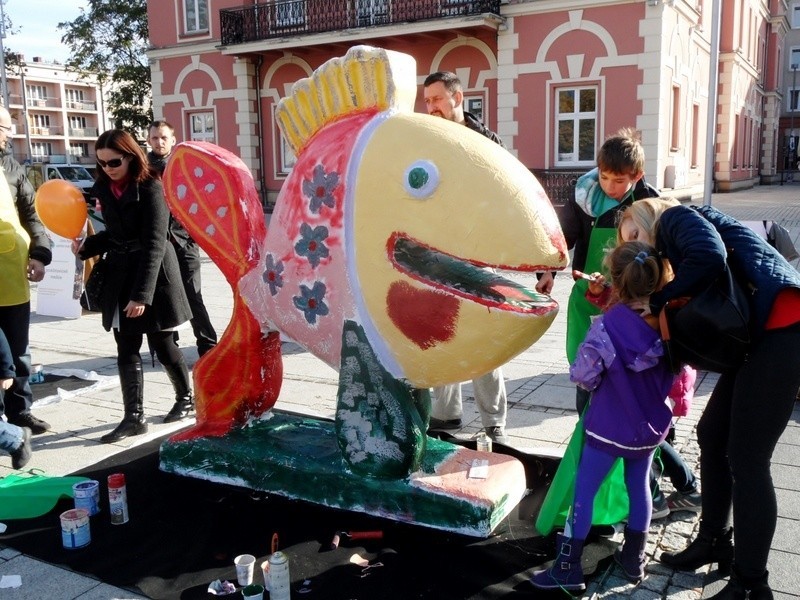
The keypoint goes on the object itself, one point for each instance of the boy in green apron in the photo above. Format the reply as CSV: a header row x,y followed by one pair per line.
x,y
589,224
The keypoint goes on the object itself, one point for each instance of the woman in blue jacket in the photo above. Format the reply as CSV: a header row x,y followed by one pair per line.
x,y
750,405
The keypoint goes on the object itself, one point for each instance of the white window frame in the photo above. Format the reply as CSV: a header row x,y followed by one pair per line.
x,y
794,19
470,103
79,150
41,149
40,120
576,117
287,157
208,133
195,16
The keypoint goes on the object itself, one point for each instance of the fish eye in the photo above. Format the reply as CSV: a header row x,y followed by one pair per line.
x,y
421,179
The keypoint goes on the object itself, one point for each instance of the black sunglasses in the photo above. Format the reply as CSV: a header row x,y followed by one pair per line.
x,y
113,163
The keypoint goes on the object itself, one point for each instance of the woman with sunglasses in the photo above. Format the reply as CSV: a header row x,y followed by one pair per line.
x,y
751,404
142,293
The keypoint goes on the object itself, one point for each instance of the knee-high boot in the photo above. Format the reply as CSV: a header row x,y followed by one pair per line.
x,y
184,400
133,423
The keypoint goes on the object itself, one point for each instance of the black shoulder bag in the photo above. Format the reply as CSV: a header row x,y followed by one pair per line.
x,y
93,288
708,331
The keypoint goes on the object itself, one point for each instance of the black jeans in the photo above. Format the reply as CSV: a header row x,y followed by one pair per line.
x,y
15,322
743,420
189,263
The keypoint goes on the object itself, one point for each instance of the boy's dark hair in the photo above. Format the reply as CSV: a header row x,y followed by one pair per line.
x,y
635,271
622,153
161,123
450,80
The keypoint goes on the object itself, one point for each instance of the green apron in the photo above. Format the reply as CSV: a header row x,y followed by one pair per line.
x,y
579,310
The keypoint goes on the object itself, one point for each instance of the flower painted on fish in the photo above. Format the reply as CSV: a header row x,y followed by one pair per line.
x,y
319,190
311,301
312,243
273,274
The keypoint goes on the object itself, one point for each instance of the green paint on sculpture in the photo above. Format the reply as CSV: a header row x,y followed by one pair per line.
x,y
305,462
379,429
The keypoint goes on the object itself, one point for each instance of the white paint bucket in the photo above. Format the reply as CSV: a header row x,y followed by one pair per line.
x,y
75,528
87,495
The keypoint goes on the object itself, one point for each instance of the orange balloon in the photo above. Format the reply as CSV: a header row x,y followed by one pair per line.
x,y
61,207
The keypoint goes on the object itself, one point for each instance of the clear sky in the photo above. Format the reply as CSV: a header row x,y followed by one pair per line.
x,y
36,22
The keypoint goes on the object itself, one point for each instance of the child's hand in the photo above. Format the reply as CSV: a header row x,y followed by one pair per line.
x,y
597,284
6,383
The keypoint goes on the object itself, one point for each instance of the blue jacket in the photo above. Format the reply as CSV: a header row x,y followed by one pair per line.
x,y
687,236
622,362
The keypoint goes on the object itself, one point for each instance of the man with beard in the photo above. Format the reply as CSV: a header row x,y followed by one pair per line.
x,y
444,97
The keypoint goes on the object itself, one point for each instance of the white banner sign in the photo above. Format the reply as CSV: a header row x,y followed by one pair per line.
x,y
58,294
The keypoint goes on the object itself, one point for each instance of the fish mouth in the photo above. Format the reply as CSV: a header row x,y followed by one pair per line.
x,y
470,280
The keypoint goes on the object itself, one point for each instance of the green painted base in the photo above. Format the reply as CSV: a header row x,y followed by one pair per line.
x,y
298,457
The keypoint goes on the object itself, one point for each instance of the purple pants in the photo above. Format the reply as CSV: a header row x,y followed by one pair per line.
x,y
594,466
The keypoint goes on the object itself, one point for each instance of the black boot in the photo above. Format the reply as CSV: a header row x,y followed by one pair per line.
x,y
184,401
133,423
631,556
704,550
743,588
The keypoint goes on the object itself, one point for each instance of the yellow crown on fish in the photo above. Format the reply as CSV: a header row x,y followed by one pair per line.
x,y
364,78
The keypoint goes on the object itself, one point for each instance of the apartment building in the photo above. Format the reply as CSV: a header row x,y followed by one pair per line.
x,y
56,115
553,77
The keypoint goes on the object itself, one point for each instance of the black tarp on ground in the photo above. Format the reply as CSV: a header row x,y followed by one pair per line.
x,y
184,533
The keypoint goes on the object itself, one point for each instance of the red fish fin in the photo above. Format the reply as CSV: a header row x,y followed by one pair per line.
x,y
238,379
211,192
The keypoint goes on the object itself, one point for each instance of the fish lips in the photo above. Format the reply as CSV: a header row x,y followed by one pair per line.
x,y
469,280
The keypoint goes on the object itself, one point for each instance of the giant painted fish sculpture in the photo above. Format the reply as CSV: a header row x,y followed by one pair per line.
x,y
375,259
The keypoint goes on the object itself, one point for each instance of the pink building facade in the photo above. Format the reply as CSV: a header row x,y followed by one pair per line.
x,y
554,78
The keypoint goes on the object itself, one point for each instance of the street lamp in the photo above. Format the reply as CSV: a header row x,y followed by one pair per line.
x,y
791,152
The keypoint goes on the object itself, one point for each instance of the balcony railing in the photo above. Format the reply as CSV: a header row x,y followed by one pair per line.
x,y
90,132
42,102
559,185
279,19
45,130
80,105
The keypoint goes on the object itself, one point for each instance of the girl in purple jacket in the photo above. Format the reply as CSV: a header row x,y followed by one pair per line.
x,y
621,361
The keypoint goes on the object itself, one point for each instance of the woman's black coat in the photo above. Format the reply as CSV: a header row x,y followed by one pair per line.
x,y
141,264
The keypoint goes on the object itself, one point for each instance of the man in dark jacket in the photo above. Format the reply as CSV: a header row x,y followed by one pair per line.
x,y
162,139
444,97
18,221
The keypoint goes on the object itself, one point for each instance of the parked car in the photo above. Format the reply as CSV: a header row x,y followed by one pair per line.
x,y
38,173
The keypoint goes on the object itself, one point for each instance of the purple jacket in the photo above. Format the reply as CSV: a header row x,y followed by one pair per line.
x,y
622,362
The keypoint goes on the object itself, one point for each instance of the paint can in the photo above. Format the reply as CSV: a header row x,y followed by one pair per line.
x,y
36,374
75,528
117,498
279,579
87,496
484,442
